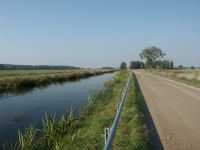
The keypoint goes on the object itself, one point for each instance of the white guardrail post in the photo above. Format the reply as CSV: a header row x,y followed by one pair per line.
x,y
109,133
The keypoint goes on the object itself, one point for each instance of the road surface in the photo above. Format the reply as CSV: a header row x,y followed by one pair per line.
x,y
175,111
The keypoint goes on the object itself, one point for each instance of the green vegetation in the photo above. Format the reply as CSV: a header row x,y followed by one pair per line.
x,y
86,131
77,132
132,132
123,65
153,58
19,80
98,115
34,67
136,65
151,54
190,77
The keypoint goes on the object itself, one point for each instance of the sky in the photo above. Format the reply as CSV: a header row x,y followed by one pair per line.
x,y
95,33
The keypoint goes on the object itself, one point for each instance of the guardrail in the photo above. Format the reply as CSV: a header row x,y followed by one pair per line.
x,y
109,133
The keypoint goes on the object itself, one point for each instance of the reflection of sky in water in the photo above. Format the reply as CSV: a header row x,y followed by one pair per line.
x,y
20,111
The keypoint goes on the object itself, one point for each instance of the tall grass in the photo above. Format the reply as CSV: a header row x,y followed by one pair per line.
x,y
99,115
49,137
25,140
132,132
18,82
84,132
190,77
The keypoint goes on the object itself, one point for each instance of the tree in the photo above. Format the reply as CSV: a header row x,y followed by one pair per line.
x,y
180,67
172,65
150,55
164,64
136,65
123,65
192,67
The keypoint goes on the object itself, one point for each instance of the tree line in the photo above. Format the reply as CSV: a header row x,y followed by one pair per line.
x,y
34,67
151,57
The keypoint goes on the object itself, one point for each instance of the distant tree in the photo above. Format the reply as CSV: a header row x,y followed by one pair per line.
x,y
150,55
136,64
171,65
108,67
34,67
123,65
180,67
164,64
192,67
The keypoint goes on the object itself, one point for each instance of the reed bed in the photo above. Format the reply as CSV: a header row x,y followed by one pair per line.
x,y
70,132
86,131
12,81
190,77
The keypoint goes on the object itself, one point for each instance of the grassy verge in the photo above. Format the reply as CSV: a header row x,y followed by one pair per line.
x,y
175,75
71,132
99,114
193,82
16,81
86,132
132,132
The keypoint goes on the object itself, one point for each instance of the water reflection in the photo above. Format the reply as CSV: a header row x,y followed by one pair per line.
x,y
22,109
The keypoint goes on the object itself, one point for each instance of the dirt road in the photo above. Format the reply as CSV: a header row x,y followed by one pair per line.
x,y
175,110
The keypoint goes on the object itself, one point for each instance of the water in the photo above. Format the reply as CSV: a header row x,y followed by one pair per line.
x,y
21,111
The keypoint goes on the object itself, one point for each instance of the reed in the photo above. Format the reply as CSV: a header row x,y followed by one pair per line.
x,y
26,140
19,82
190,77
78,132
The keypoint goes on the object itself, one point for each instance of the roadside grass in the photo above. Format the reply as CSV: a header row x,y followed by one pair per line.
x,y
99,115
86,131
132,133
185,80
70,132
190,77
13,81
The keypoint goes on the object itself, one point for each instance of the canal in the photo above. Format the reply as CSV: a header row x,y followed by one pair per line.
x,y
19,111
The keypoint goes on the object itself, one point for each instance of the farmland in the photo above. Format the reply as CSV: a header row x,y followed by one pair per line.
x,y
16,80
86,131
191,77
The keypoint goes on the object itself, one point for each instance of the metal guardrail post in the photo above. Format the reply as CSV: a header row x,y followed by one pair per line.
x,y
106,134
110,132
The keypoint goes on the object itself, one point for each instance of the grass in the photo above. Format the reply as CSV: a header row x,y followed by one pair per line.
x,y
86,131
132,133
20,80
190,77
74,132
99,114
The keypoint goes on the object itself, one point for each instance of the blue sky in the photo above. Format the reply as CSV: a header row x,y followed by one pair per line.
x,y
94,33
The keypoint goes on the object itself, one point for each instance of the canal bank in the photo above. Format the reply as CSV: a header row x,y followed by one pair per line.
x,y
86,130
19,111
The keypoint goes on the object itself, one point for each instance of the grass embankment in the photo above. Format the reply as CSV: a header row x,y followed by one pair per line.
x,y
14,81
132,133
77,132
86,132
99,115
190,77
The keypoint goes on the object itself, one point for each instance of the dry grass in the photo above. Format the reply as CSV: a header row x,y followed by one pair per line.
x,y
191,77
11,81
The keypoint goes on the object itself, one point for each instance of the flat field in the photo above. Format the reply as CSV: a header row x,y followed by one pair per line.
x,y
15,80
187,76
